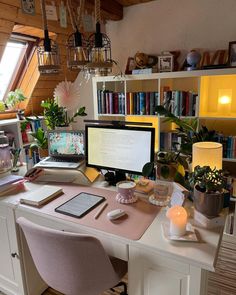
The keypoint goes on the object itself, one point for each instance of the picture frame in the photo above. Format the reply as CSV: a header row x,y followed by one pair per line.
x,y
130,65
232,54
165,63
28,6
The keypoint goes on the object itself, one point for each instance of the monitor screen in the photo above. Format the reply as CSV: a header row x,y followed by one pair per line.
x,y
66,143
123,149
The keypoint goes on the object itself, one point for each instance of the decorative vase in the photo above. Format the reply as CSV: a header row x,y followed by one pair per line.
x,y
208,204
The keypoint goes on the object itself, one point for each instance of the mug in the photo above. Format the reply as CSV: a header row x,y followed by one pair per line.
x,y
126,192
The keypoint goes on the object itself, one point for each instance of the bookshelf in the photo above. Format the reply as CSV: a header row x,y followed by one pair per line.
x,y
21,139
205,94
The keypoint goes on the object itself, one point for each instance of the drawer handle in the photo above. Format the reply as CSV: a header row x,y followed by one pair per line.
x,y
14,255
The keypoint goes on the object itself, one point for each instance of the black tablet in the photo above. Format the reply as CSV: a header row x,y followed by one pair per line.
x,y
80,205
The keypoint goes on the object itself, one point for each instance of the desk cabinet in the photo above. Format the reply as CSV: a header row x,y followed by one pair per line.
x,y
151,273
11,281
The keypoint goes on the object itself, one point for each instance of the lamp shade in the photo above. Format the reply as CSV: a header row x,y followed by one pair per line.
x,y
207,153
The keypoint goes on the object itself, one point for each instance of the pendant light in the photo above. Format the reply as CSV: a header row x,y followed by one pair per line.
x,y
77,51
99,45
48,52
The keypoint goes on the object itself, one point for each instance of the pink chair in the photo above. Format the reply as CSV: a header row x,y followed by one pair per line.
x,y
72,263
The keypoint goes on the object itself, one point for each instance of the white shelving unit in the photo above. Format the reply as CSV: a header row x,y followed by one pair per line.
x,y
206,83
14,126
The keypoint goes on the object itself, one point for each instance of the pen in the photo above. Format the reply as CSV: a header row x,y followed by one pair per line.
x,y
100,211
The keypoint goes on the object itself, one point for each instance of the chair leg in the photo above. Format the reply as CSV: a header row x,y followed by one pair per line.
x,y
121,284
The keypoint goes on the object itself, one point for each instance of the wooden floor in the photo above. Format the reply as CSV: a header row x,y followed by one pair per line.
x,y
50,291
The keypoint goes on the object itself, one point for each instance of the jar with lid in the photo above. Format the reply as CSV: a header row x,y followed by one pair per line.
x,y
5,155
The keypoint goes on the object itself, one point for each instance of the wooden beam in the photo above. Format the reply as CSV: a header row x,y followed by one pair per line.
x,y
110,9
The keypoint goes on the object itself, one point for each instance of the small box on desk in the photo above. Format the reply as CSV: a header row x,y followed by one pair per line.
x,y
209,222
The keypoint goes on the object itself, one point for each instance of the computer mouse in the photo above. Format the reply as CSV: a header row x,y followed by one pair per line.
x,y
115,214
104,183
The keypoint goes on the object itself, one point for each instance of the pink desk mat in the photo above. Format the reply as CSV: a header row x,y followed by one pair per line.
x,y
131,226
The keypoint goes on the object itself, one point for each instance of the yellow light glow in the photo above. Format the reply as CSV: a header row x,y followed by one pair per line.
x,y
224,99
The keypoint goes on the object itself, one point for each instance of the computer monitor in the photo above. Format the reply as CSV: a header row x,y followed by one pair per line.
x,y
122,149
66,144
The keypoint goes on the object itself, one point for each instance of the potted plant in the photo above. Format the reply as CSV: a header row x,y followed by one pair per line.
x,y
41,142
14,98
208,190
188,130
57,116
168,166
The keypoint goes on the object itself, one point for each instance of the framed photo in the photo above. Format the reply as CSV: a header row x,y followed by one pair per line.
x,y
131,65
232,54
165,63
28,6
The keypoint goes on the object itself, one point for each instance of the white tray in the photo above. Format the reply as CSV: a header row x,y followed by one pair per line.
x,y
190,235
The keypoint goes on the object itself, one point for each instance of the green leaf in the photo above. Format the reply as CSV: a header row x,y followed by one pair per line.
x,y
148,169
165,171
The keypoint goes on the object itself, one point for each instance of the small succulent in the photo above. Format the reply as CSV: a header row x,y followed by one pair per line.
x,y
207,180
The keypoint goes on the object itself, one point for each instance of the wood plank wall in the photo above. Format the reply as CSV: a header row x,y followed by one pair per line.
x,y
37,87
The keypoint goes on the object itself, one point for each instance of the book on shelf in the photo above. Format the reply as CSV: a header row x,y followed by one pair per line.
x,y
41,196
137,103
180,103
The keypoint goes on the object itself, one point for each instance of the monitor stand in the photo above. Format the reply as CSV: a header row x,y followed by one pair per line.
x,y
114,177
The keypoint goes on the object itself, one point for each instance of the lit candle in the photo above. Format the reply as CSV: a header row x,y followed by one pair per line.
x,y
178,220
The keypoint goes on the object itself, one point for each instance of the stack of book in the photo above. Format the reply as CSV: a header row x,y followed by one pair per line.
x,y
9,183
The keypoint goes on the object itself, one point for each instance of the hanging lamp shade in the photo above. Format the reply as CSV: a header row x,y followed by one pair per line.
x,y
99,46
47,51
77,50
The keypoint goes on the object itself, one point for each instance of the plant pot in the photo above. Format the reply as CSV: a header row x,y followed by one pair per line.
x,y
166,171
43,153
208,204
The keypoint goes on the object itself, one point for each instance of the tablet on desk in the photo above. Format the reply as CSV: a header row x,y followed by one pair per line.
x,y
80,205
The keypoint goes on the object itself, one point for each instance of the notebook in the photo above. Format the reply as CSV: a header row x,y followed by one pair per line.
x,y
41,195
66,150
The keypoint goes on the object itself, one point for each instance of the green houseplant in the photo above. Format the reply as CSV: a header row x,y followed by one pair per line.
x,y
208,189
57,116
40,142
188,130
168,166
14,98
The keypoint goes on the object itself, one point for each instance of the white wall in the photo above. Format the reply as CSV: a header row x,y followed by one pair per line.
x,y
164,25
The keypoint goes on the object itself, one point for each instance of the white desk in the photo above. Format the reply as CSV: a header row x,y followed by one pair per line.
x,y
156,266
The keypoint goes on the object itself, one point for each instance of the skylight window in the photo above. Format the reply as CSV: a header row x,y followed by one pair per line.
x,y
9,65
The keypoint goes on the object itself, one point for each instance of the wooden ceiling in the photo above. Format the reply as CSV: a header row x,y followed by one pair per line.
x,y
113,9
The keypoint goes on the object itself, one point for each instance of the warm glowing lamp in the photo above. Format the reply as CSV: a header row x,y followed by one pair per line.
x,y
77,51
99,47
207,153
224,101
47,50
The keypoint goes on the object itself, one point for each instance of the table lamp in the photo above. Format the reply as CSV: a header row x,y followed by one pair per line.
x,y
207,153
